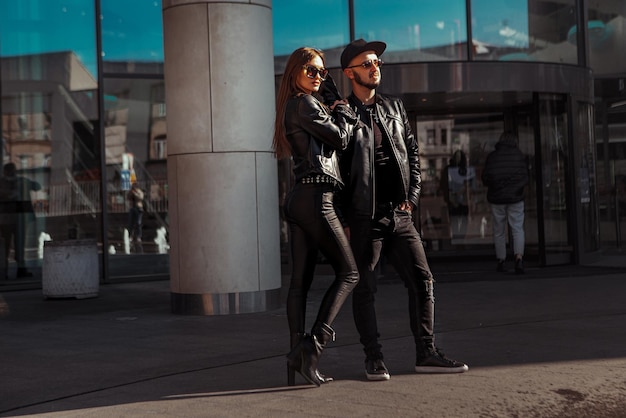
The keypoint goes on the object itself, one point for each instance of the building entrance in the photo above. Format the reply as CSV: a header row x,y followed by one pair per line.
x,y
455,216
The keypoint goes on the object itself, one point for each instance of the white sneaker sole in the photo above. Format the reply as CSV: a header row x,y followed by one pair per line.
x,y
441,370
377,377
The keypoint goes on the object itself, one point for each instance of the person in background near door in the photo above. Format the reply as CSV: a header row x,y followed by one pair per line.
x,y
16,214
135,215
456,185
506,175
311,131
381,170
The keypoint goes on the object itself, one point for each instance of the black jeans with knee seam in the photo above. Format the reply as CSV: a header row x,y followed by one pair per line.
x,y
392,234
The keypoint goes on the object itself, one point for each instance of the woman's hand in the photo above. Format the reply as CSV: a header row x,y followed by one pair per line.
x,y
338,102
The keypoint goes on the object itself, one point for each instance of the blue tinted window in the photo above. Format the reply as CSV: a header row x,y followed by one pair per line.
x,y
132,32
322,24
414,30
35,27
524,30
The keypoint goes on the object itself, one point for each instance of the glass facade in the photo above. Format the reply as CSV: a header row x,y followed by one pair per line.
x,y
135,138
50,128
414,31
607,35
607,38
132,36
83,116
539,31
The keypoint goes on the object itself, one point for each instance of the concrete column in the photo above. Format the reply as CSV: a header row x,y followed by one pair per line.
x,y
223,181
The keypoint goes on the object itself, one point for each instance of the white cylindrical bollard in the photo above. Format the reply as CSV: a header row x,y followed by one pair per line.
x,y
70,269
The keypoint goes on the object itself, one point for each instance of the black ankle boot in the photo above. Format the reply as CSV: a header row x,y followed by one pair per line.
x,y
294,339
291,372
305,355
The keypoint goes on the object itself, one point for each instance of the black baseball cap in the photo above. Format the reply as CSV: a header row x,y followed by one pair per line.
x,y
359,46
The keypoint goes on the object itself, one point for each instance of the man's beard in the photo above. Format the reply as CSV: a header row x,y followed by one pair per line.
x,y
370,84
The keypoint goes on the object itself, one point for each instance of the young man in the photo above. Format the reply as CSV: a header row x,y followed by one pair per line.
x,y
381,171
506,175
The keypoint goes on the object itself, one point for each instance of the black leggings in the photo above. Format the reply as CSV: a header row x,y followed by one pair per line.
x,y
314,226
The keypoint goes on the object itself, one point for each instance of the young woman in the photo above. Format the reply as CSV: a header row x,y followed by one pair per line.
x,y
311,134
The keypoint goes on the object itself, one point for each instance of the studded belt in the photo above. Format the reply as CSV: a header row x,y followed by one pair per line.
x,y
319,179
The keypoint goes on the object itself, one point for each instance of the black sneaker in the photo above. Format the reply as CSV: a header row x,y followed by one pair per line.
x,y
376,370
500,268
437,362
519,266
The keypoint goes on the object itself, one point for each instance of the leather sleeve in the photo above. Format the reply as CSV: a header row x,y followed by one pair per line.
x,y
412,148
319,123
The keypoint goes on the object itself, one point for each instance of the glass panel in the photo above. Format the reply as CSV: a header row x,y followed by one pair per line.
x,y
521,30
607,37
132,36
554,160
49,127
453,204
611,173
39,28
136,152
587,176
525,127
454,209
414,31
329,31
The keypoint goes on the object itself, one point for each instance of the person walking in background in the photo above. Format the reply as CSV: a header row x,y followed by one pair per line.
x,y
135,198
506,175
311,134
16,214
383,181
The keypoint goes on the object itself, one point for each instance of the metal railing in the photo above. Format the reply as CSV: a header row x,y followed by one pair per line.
x,y
83,198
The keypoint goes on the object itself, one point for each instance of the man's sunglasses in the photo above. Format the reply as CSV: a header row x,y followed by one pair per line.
x,y
368,64
312,72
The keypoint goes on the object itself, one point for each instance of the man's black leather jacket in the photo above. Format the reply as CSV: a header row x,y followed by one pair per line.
x,y
316,135
357,162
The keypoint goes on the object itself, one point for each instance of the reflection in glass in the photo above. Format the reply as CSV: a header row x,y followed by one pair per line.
x,y
49,121
136,152
587,176
40,28
611,172
327,28
132,36
525,30
453,205
607,38
554,156
414,31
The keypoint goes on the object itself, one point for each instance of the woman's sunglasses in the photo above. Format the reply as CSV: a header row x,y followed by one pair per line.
x,y
312,72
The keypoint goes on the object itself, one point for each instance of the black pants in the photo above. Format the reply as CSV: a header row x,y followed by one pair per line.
x,y
16,231
314,227
393,235
135,221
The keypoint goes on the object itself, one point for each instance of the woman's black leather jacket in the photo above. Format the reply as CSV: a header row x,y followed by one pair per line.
x,y
316,135
357,162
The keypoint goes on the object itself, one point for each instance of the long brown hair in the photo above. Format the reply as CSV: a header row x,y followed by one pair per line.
x,y
287,89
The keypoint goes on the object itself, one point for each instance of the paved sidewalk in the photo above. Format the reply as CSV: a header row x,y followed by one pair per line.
x,y
550,343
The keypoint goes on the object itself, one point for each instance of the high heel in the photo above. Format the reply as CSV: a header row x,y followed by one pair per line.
x,y
305,355
291,372
291,376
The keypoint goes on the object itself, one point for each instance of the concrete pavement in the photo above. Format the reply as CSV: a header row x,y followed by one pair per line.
x,y
550,343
